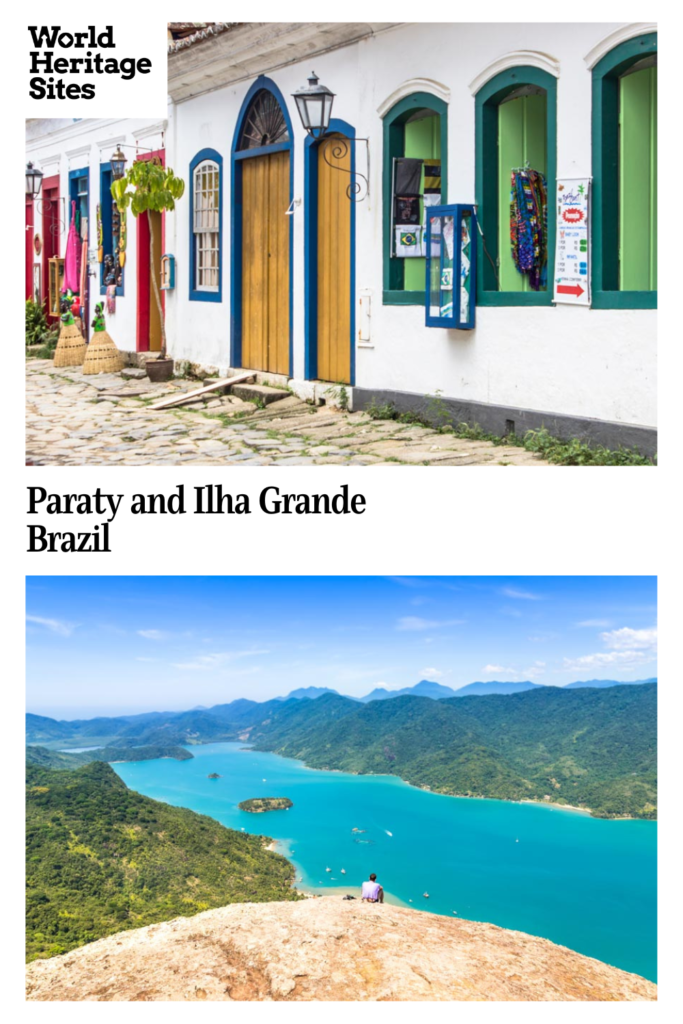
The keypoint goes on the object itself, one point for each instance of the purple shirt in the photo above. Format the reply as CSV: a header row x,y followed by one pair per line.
x,y
370,890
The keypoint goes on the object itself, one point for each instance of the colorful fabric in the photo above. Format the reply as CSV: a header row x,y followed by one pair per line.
x,y
529,226
432,172
72,268
111,299
407,210
407,176
98,320
408,242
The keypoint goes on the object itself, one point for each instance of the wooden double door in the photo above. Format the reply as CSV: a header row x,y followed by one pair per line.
x,y
265,262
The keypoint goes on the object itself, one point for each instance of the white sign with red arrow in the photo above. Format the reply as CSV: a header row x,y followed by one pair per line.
x,y
572,248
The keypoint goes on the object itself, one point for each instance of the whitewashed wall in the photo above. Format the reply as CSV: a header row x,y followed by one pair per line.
x,y
65,146
589,363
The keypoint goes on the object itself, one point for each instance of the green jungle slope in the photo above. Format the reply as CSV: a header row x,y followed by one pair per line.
x,y
62,759
101,858
592,748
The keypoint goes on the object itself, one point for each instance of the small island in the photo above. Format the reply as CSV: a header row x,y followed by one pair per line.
x,y
213,775
266,803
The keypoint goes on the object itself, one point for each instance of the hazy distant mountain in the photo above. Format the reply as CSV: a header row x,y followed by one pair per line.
x,y
601,683
482,689
425,688
311,692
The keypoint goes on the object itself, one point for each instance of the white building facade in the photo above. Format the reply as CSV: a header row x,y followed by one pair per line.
x,y
279,270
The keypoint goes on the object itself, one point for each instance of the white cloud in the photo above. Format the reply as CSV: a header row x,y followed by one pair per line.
x,y
59,626
594,624
626,648
631,639
521,595
537,669
431,673
211,662
154,634
415,623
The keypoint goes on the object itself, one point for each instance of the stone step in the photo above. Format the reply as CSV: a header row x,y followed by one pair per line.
x,y
256,392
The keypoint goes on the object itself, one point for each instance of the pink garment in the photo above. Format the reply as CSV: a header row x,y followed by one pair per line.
x,y
72,260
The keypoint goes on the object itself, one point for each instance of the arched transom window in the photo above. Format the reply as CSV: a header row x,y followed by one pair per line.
x,y
264,123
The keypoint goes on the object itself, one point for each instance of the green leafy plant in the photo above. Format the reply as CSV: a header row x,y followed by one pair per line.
x,y
148,186
38,330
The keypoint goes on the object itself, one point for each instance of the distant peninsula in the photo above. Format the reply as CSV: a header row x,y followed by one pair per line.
x,y
266,803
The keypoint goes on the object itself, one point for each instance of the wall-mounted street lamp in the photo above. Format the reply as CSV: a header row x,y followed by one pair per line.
x,y
34,181
314,104
118,164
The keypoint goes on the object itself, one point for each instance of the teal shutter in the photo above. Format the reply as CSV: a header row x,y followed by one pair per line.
x,y
522,140
638,181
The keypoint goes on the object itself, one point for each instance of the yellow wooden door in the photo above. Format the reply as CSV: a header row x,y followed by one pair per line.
x,y
265,263
334,263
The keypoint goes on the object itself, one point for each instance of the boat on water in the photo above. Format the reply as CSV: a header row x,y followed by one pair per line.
x,y
426,895
343,871
328,869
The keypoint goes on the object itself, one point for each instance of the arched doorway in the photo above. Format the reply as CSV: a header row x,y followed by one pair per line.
x,y
262,232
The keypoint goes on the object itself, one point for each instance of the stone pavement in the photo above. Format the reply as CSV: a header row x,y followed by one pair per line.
x,y
103,420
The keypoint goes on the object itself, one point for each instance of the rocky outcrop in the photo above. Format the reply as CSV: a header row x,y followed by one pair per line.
x,y
327,949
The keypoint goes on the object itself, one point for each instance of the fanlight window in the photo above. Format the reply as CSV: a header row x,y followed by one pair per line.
x,y
206,225
264,123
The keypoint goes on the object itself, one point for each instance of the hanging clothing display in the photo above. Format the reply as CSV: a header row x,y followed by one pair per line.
x,y
407,210
408,242
528,225
407,176
72,268
111,299
432,171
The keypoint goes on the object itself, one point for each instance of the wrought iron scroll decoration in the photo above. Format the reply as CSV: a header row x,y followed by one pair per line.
x,y
338,146
41,206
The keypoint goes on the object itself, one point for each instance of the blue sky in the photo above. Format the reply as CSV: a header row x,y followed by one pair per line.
x,y
116,644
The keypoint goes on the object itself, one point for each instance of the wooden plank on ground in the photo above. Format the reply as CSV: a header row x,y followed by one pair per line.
x,y
187,396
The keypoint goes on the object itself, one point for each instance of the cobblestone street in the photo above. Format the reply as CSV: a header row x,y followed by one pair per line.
x,y
76,420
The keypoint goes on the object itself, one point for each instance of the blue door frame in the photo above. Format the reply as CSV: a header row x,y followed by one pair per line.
x,y
83,172
311,251
236,158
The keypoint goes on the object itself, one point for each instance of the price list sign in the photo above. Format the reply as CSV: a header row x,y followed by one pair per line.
x,y
572,277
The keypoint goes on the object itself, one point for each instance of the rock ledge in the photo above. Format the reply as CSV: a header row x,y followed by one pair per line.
x,y
327,949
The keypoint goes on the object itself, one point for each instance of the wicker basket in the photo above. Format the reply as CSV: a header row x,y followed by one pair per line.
x,y
71,347
102,355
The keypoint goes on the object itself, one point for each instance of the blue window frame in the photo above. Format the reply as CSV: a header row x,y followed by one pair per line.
x,y
451,274
109,240
206,226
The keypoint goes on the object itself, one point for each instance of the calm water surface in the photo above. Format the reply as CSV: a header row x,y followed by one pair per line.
x,y
584,883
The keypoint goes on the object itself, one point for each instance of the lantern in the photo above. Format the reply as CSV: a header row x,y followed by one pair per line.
x,y
315,106
118,164
34,180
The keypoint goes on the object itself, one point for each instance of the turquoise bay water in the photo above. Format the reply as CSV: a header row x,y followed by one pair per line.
x,y
581,882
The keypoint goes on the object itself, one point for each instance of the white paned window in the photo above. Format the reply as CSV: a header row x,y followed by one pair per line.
x,y
206,226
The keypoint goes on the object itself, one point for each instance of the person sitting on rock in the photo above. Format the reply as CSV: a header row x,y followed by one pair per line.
x,y
372,891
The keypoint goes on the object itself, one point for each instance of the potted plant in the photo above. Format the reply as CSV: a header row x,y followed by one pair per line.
x,y
149,186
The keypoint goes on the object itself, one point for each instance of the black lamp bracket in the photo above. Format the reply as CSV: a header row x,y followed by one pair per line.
x,y
336,147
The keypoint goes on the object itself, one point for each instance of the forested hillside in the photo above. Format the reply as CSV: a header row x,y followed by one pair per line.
x,y
62,759
594,748
100,859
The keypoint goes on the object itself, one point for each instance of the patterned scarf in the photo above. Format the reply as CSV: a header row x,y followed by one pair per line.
x,y
529,226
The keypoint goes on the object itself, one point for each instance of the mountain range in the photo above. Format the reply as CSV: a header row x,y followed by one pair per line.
x,y
593,747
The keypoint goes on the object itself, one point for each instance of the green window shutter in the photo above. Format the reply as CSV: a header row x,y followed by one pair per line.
x,y
423,142
638,181
522,139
